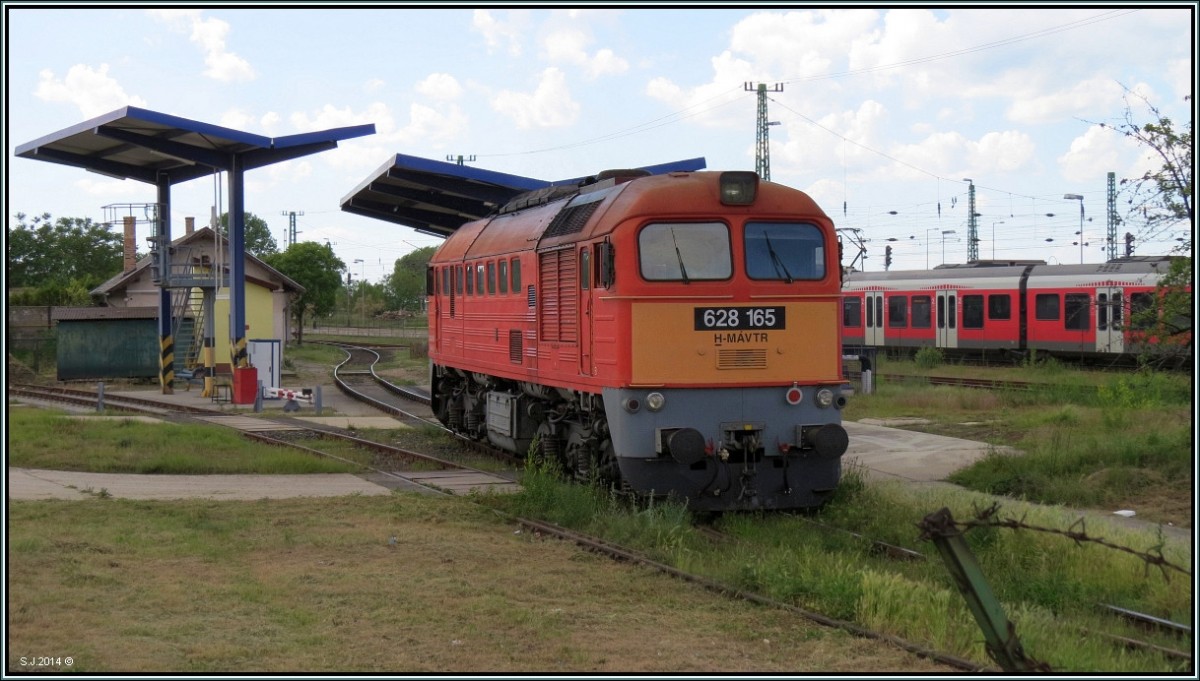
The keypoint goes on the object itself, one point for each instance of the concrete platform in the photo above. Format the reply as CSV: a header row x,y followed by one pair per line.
x,y
897,454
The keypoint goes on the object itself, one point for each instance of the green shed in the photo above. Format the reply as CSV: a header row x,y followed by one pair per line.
x,y
106,342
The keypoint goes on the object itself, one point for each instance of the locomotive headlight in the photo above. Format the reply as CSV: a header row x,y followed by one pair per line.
x,y
738,187
655,401
824,397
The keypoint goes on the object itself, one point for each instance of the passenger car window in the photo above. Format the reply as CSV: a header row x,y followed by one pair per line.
x,y
1046,306
898,312
921,312
684,251
787,251
972,308
851,312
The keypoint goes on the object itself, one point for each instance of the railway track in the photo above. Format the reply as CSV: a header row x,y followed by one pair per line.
x,y
978,383
437,474
357,378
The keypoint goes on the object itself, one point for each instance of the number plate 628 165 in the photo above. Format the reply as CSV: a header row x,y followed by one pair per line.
x,y
709,318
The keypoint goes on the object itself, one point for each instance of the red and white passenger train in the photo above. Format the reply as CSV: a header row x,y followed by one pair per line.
x,y
676,333
1078,310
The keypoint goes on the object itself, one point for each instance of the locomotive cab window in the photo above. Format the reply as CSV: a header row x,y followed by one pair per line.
x,y
787,251
683,251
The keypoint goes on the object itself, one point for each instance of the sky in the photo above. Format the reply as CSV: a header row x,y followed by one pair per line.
x,y
879,113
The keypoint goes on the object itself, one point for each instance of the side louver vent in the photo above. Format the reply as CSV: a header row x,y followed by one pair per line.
x,y
515,346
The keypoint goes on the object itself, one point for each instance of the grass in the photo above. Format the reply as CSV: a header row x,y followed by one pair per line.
x,y
374,585
1126,441
1050,586
53,440
294,580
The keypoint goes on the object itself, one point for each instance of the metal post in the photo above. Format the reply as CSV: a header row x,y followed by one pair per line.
x,y
258,403
100,397
317,399
1000,636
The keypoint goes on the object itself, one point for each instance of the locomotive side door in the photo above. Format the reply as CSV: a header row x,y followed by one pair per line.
x,y
873,318
1110,319
947,319
585,312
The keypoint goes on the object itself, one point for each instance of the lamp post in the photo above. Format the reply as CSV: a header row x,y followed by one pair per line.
x,y
944,233
994,223
1078,197
362,279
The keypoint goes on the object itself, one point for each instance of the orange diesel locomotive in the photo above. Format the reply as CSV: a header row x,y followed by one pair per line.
x,y
676,334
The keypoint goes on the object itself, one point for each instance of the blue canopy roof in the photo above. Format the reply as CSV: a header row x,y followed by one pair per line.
x,y
435,197
138,144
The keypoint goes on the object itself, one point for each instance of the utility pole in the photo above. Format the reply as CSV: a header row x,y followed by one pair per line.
x,y
459,159
1113,218
762,157
292,224
972,226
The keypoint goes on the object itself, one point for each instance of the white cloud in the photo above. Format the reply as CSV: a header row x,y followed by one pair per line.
x,y
797,44
330,116
440,86
567,46
1093,154
1001,152
238,119
270,123
373,85
549,105
110,189
209,34
496,32
92,90
1098,93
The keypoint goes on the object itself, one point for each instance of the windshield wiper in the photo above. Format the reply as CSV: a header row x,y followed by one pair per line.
x,y
682,269
787,276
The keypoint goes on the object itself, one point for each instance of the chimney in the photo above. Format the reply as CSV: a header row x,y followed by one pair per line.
x,y
130,243
189,225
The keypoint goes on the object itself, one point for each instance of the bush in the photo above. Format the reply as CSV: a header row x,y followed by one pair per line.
x,y
928,358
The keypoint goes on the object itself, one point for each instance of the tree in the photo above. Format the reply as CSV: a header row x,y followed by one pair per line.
x,y
1161,200
405,286
318,270
259,241
44,252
